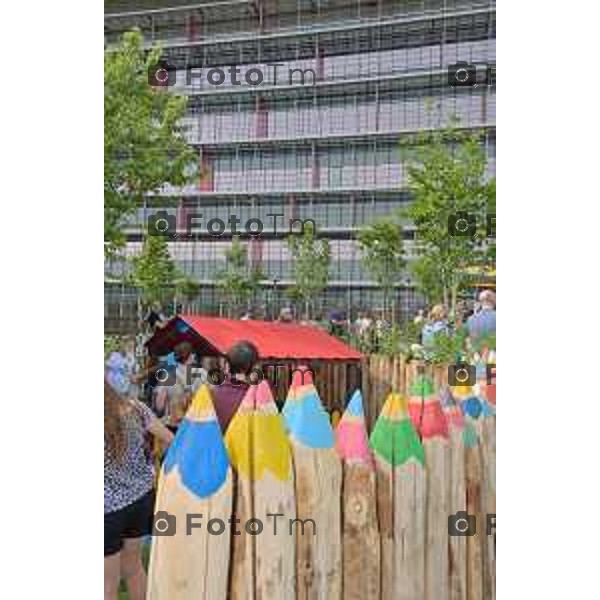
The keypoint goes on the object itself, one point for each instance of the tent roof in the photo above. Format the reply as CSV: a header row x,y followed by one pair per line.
x,y
211,335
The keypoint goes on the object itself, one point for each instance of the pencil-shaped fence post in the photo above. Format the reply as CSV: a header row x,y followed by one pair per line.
x,y
263,554
430,422
401,493
318,477
457,499
472,409
195,497
361,545
485,391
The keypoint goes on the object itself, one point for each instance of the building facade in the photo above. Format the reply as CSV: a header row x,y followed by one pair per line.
x,y
342,83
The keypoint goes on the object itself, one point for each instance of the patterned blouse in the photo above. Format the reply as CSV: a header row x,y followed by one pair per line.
x,y
132,477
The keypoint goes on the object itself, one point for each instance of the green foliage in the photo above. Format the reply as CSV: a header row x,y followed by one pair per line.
x,y
311,256
144,147
425,274
448,347
239,281
382,248
154,271
186,288
390,341
446,175
111,344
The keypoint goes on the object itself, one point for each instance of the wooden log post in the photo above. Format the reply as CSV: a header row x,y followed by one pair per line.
x,y
457,499
263,554
401,495
361,544
318,492
195,479
485,390
472,408
430,422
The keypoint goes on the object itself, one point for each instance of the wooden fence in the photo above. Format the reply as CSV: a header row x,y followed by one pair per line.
x,y
433,457
376,376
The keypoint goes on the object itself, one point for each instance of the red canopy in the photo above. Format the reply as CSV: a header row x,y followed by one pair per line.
x,y
212,335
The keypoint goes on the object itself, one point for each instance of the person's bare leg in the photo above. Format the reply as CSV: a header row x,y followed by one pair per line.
x,y
112,576
132,569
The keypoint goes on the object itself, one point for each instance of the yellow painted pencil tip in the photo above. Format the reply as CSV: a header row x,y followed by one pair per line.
x,y
395,406
202,404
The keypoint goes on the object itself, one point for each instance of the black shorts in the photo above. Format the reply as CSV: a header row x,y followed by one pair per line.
x,y
131,521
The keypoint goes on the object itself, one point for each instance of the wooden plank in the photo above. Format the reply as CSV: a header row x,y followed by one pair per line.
x,y
457,545
263,564
430,422
318,493
361,545
486,392
195,479
471,409
401,490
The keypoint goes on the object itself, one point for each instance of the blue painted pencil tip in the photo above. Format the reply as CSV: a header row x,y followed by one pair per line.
x,y
355,406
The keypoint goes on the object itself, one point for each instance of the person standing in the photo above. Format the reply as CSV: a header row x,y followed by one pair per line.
x,y
128,490
419,319
172,401
286,315
155,319
242,358
120,368
482,325
436,325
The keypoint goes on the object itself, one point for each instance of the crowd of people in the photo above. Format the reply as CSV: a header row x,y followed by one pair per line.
x,y
477,321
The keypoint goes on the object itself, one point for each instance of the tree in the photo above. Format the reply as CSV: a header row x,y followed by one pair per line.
x,y
240,280
446,178
154,271
382,248
311,257
425,273
186,289
144,147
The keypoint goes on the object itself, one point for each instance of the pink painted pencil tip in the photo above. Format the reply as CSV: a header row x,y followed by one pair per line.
x,y
352,440
264,395
302,376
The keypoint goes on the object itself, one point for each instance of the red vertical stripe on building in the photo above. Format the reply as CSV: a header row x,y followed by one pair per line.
x,y
182,212
194,24
207,182
262,118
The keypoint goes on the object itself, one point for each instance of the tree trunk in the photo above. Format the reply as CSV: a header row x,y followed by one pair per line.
x,y
454,300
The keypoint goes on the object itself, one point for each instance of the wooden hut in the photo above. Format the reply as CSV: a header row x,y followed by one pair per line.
x,y
282,347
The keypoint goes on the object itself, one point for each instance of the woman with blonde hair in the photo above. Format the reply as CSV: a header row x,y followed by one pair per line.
x,y
128,490
437,323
